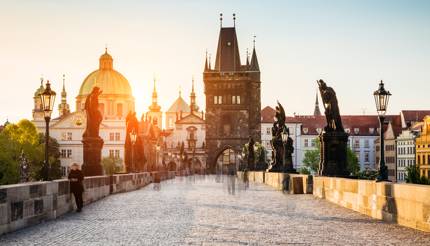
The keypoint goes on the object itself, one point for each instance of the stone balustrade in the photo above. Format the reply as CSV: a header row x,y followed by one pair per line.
x,y
295,183
26,204
405,204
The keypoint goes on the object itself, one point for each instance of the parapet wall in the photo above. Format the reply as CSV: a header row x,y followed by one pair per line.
x,y
405,204
26,204
291,183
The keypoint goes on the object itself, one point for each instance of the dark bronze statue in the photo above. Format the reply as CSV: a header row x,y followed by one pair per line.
x,y
332,114
93,143
281,143
333,139
94,117
251,155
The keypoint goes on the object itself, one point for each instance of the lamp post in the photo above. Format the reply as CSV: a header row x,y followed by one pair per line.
x,y
381,100
47,98
133,138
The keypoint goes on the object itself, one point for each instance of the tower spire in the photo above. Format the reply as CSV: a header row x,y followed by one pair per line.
x,y
220,19
234,20
193,106
247,57
317,111
206,61
154,106
254,60
64,107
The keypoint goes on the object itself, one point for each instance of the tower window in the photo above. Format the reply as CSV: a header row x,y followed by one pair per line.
x,y
235,99
217,99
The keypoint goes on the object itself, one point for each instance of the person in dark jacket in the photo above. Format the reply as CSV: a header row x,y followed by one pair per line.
x,y
76,187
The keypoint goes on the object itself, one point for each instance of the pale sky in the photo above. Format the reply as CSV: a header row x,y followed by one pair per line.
x,y
350,44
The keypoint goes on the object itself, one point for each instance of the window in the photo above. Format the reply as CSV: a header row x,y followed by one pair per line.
x,y
170,122
356,130
111,136
356,143
111,153
313,142
69,153
117,153
235,99
305,130
366,143
306,142
371,130
117,136
268,131
347,130
63,153
217,99
366,157
66,136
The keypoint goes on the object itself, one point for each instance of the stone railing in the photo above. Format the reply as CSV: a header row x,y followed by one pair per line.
x,y
405,204
26,204
291,182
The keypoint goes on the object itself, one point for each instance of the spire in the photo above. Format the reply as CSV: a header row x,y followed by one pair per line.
x,y
193,106
220,20
154,106
234,20
317,111
206,62
210,65
254,60
63,107
227,55
180,91
247,57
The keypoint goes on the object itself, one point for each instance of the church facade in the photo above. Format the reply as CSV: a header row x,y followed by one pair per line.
x,y
233,100
114,104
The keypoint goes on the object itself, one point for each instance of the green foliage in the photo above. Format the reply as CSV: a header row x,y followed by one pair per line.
x,y
413,176
23,137
260,153
111,165
352,162
311,160
304,170
368,174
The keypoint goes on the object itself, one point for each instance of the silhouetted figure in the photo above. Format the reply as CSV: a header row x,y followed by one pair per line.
x,y
231,178
332,114
94,117
76,187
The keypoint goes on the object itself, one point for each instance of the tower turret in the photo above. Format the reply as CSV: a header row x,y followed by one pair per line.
x,y
64,107
317,111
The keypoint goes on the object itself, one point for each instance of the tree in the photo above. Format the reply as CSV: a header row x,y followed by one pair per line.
x,y
413,175
23,137
260,154
311,160
352,162
111,165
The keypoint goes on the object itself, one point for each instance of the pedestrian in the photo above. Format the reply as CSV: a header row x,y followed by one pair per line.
x,y
76,186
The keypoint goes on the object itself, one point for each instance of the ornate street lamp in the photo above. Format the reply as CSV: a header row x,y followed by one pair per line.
x,y
47,98
381,100
133,138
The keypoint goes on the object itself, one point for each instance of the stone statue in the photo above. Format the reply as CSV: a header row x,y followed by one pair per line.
x,y
91,140
333,139
288,155
94,117
251,156
279,144
334,122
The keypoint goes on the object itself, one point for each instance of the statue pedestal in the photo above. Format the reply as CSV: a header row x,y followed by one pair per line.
x,y
92,156
333,154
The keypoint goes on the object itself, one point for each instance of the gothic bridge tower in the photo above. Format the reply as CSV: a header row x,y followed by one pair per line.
x,y
233,100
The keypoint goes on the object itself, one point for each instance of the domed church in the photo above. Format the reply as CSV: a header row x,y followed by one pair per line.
x,y
115,102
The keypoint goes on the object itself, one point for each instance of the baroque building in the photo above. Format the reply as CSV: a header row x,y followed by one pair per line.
x,y
423,148
233,100
115,101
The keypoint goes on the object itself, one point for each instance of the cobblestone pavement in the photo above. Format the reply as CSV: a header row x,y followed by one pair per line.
x,y
200,211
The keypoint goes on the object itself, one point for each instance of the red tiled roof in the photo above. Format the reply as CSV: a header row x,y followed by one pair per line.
x,y
268,115
363,123
412,116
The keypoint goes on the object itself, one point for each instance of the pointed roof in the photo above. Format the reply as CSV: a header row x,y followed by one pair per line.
x,y
254,61
206,62
227,55
179,105
317,111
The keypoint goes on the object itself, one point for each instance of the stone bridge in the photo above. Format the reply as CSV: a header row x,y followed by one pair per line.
x,y
199,210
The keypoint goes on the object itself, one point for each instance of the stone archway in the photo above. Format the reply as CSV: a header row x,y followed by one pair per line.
x,y
226,159
171,166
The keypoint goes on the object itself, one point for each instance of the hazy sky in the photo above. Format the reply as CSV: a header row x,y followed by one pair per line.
x,y
350,44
